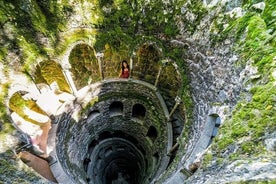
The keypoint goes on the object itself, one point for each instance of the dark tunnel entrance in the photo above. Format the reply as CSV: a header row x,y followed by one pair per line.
x,y
115,158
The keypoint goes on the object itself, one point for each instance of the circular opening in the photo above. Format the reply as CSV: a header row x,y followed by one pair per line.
x,y
107,144
114,158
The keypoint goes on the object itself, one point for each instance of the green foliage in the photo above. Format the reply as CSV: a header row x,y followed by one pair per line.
x,y
251,120
26,23
56,15
207,159
116,39
268,15
31,18
198,11
84,63
147,17
5,124
253,182
249,3
71,37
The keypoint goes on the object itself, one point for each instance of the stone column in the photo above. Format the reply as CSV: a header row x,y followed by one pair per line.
x,y
164,63
69,79
177,102
130,67
175,147
131,64
99,56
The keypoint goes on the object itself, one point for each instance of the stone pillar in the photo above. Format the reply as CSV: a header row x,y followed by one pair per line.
x,y
69,79
99,58
164,63
177,102
130,67
175,146
131,63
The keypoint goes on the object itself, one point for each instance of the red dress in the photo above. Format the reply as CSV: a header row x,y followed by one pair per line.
x,y
125,74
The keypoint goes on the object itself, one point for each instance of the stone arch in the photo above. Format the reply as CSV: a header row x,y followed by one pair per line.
x,y
49,72
152,133
177,120
26,108
138,111
145,64
92,114
111,61
116,108
84,65
170,82
23,83
141,41
29,118
156,156
214,121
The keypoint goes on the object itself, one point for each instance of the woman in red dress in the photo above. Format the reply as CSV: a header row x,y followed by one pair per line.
x,y
124,73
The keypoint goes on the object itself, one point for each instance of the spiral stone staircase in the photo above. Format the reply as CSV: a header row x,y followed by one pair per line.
x,y
194,66
101,128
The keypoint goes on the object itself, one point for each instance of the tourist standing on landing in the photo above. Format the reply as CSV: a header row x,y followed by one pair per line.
x,y
124,72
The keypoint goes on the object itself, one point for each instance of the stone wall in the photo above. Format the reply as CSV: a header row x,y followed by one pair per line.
x,y
215,85
209,32
88,122
219,80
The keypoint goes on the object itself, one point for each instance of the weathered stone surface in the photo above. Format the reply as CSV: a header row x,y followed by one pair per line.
x,y
215,75
261,169
74,133
270,142
217,83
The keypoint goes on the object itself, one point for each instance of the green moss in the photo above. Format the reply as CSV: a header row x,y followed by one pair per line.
x,y
12,170
258,45
251,120
73,36
48,72
17,104
89,105
84,63
268,16
207,159
253,182
198,11
5,124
